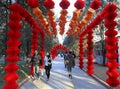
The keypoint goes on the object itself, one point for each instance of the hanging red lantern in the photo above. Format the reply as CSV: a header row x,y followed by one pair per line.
x,y
79,4
33,3
95,4
49,4
64,4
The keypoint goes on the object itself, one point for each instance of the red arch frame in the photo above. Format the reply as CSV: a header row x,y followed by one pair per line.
x,y
55,48
109,14
17,14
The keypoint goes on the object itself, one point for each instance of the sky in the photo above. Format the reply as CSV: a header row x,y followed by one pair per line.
x,y
57,10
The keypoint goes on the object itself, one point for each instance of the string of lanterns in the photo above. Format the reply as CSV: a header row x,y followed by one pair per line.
x,y
111,46
79,4
95,4
64,4
38,13
49,4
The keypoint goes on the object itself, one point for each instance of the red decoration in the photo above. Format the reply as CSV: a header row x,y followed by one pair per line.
x,y
79,4
81,53
42,57
110,41
49,4
13,8
111,47
90,68
13,43
33,3
57,47
64,4
95,4
13,50
110,8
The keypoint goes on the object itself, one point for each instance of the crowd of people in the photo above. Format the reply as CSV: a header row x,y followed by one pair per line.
x,y
36,61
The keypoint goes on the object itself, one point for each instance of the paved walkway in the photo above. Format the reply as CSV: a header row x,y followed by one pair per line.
x,y
59,79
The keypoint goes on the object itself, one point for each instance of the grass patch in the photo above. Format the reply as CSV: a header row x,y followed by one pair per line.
x,y
23,73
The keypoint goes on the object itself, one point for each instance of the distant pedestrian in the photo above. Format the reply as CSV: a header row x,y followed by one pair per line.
x,y
48,65
70,63
65,58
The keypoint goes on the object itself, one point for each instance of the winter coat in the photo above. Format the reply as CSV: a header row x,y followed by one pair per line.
x,y
70,60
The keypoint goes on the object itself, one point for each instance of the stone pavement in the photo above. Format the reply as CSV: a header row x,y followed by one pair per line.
x,y
59,79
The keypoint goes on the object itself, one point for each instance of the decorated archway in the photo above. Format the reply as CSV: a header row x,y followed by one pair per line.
x,y
54,50
76,28
17,14
109,14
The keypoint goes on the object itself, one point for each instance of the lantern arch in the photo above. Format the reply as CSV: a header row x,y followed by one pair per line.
x,y
55,48
109,14
17,14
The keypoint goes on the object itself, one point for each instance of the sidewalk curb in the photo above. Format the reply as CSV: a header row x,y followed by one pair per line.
x,y
23,82
98,80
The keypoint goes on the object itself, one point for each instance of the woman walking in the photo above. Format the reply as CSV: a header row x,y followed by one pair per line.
x,y
48,65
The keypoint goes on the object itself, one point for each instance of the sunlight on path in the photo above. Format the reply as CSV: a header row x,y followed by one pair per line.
x,y
59,79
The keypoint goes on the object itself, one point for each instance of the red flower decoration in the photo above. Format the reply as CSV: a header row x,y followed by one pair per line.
x,y
95,4
64,4
79,4
49,4
33,3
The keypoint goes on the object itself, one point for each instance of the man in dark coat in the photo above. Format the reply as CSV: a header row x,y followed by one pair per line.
x,y
70,62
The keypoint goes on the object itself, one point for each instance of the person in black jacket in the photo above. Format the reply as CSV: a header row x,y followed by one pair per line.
x,y
70,62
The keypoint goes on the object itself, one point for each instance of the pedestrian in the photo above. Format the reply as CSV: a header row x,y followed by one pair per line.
x,y
48,65
70,63
65,57
35,60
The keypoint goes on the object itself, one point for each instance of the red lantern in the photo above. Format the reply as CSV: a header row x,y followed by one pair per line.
x,y
49,4
79,4
95,4
64,4
33,3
